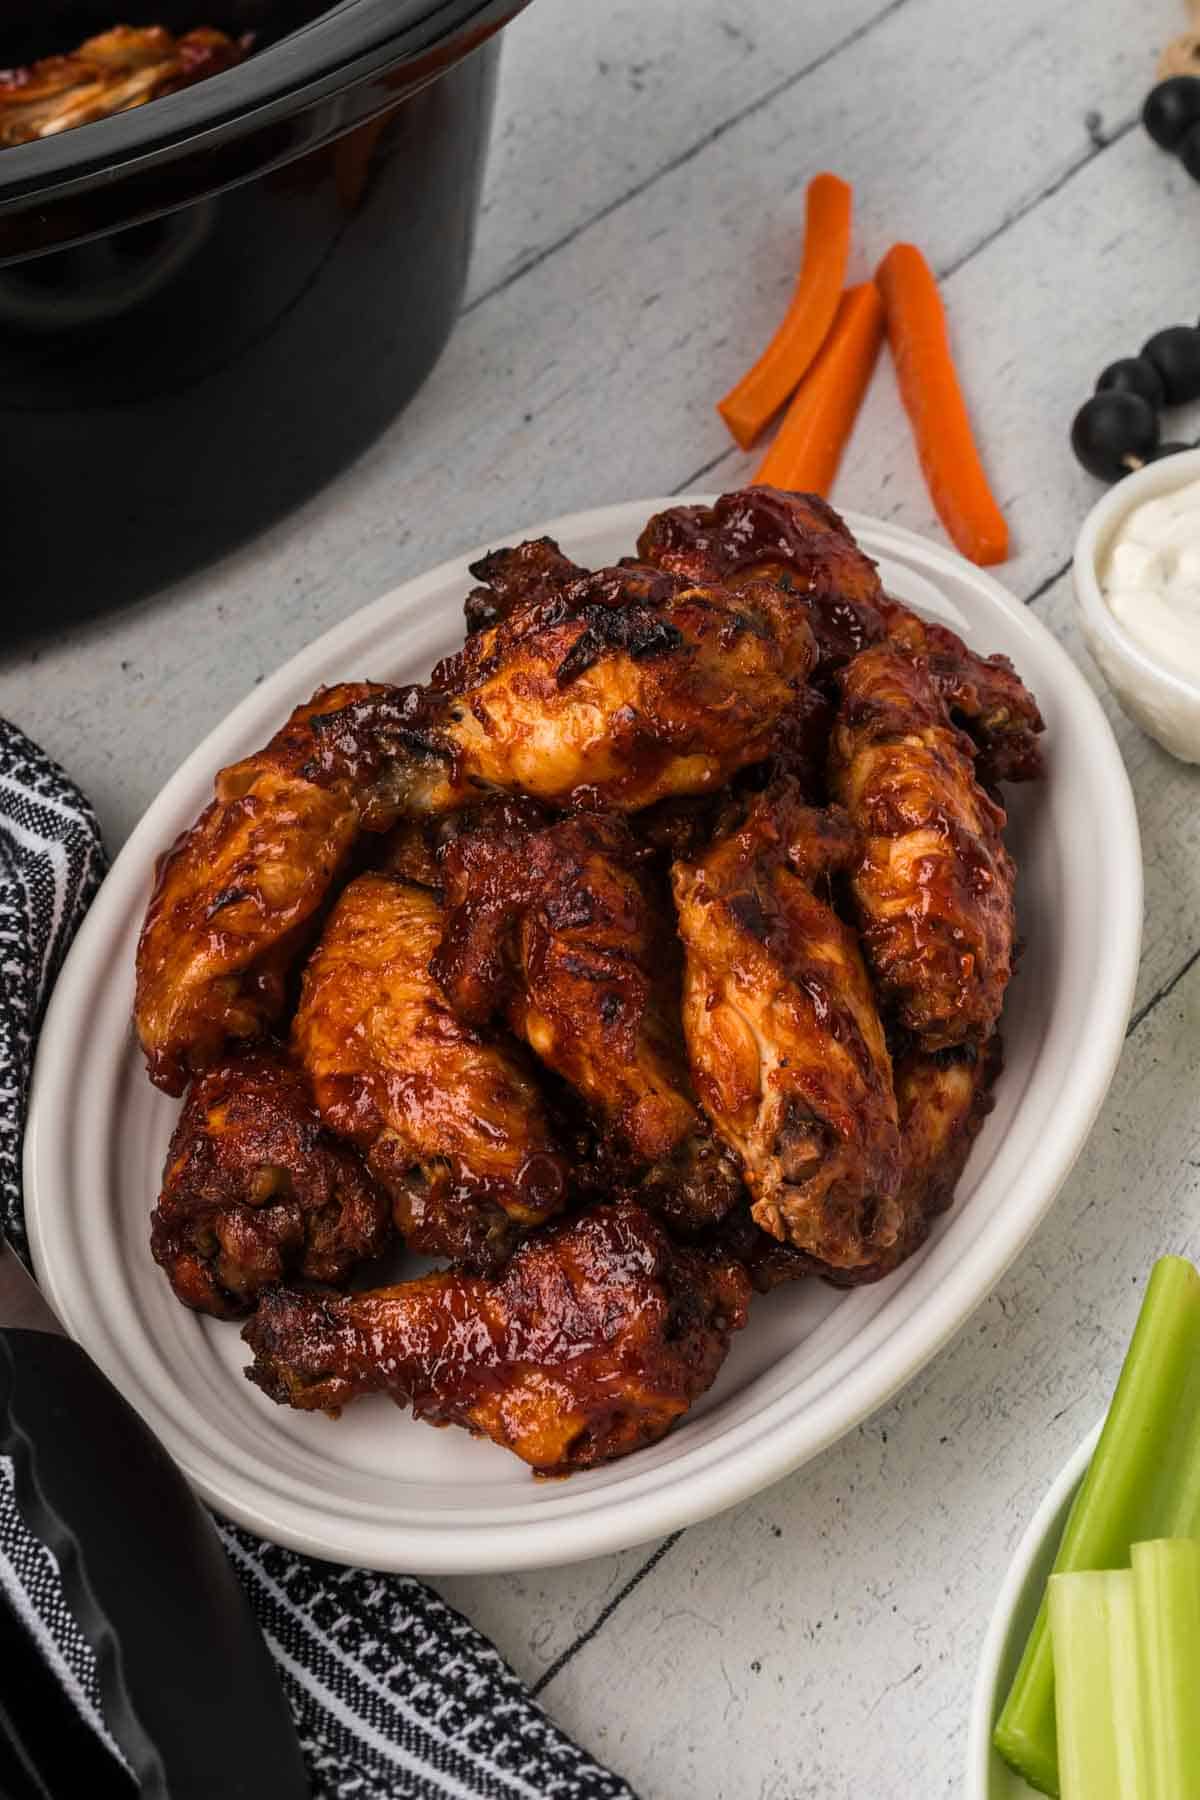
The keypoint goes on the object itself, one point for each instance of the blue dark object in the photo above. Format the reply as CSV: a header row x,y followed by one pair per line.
x,y
190,1691
209,304
1114,433
1175,354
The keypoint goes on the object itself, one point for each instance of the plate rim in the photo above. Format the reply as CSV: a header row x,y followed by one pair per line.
x,y
984,1697
724,1477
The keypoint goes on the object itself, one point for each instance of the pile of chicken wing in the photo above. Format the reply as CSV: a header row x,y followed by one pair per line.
x,y
651,954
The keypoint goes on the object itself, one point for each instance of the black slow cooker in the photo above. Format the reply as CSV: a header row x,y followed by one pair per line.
x,y
210,303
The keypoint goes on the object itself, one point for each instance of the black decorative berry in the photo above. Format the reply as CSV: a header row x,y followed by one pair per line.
x,y
1170,109
1175,353
1188,151
1133,375
1113,433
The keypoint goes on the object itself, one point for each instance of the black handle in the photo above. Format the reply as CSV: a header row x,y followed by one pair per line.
x,y
190,1691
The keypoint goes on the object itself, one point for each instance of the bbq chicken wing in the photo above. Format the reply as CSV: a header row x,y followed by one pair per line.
x,y
238,897
801,545
554,923
451,1124
934,887
256,1191
625,688
595,1339
785,1041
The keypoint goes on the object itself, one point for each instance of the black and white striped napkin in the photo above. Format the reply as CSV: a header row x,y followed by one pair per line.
x,y
393,1692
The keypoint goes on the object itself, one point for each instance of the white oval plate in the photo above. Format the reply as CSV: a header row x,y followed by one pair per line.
x,y
378,1490
988,1775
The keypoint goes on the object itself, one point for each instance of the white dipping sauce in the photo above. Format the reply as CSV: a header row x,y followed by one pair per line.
x,y
1150,578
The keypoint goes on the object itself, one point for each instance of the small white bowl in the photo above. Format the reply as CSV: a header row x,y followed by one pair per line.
x,y
1159,699
988,1775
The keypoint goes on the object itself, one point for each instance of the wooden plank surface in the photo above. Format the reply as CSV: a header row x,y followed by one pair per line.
x,y
639,239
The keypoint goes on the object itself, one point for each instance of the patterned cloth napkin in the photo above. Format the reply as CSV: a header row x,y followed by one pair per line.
x,y
393,1692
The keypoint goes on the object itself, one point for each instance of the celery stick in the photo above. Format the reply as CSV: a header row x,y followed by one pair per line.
x,y
1143,1482
1102,1751
1166,1587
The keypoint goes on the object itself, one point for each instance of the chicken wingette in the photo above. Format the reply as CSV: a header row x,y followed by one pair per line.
x,y
238,897
449,1121
626,687
557,925
933,888
786,1044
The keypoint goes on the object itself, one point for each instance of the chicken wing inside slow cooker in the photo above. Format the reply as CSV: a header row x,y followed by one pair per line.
x,y
109,73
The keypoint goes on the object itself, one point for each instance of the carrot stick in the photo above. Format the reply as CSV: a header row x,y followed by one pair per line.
x,y
916,323
808,445
764,388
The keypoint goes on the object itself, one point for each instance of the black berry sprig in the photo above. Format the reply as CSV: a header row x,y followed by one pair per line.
x,y
1117,430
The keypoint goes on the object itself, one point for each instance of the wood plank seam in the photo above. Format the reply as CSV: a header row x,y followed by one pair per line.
x,y
604,1615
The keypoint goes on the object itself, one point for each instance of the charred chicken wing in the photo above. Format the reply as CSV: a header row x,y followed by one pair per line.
x,y
554,922
785,1041
450,1123
238,897
256,1191
595,1339
934,886
626,687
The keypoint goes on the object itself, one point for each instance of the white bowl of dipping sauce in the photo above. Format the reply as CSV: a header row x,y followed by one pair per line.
x,y
1137,582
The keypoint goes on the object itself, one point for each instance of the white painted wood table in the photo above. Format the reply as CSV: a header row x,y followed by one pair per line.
x,y
638,242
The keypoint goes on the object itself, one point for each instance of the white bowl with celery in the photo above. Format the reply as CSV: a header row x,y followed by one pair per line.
x,y
1089,1682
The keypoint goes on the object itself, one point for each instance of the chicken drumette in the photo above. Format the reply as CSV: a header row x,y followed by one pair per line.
x,y
595,1339
555,923
933,888
800,545
256,1191
450,1123
785,1041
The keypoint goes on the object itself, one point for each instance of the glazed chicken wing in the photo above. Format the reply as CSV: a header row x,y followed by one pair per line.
x,y
256,1191
785,1041
238,897
626,687
554,923
934,887
451,1124
802,546
597,1337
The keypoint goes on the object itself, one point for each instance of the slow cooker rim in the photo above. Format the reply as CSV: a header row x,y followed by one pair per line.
x,y
355,38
